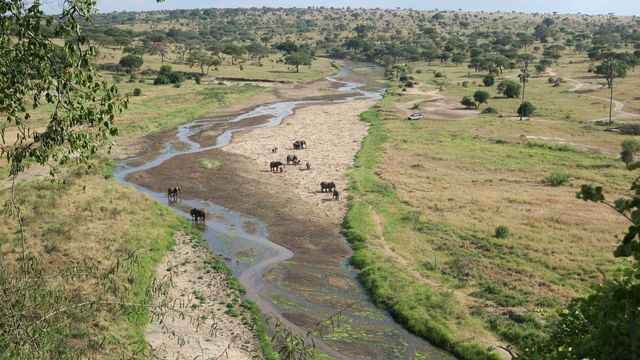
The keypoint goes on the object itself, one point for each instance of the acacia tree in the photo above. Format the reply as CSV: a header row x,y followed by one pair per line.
x,y
297,59
158,48
131,62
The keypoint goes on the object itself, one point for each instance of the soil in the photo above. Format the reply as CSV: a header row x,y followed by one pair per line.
x,y
220,335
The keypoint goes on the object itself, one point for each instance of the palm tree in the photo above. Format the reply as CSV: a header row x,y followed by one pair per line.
x,y
524,78
611,68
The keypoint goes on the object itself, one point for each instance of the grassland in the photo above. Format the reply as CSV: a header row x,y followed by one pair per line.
x,y
428,197
75,224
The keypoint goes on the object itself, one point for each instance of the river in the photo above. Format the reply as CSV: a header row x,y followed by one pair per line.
x,y
361,330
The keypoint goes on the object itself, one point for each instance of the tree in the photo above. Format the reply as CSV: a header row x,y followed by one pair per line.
x,y
289,47
629,148
37,70
234,51
458,58
131,62
523,76
481,97
488,80
611,68
526,109
257,51
526,59
468,102
298,59
158,48
509,89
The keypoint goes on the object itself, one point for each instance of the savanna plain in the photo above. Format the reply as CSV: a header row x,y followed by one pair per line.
x,y
468,228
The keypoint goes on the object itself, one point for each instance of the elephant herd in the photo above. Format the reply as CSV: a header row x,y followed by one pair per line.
x,y
278,166
275,166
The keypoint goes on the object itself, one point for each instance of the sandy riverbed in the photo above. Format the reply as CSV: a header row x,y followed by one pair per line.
x,y
333,134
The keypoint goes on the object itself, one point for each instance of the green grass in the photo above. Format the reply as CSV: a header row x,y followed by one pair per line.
x,y
79,222
209,164
427,312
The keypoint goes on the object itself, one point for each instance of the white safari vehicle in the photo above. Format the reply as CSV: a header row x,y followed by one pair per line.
x,y
415,116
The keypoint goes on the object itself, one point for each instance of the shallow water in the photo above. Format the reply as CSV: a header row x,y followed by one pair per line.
x,y
251,254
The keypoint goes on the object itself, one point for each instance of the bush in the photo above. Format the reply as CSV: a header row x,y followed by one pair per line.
x,y
557,178
439,74
502,232
489,110
489,80
468,102
161,80
176,77
465,84
177,85
509,89
526,109
137,92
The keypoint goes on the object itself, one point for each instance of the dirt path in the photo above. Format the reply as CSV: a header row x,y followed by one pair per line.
x,y
204,295
581,86
434,106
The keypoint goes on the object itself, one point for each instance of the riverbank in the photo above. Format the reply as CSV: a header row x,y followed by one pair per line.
x,y
213,322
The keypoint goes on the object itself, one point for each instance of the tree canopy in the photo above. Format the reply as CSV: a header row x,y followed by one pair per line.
x,y
298,59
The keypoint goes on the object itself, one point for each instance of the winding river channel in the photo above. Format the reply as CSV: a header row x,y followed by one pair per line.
x,y
362,331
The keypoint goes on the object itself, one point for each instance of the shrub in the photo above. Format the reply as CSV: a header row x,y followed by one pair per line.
x,y
161,80
509,89
465,84
489,80
468,102
137,92
177,85
502,232
489,110
557,178
526,109
438,74
176,77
